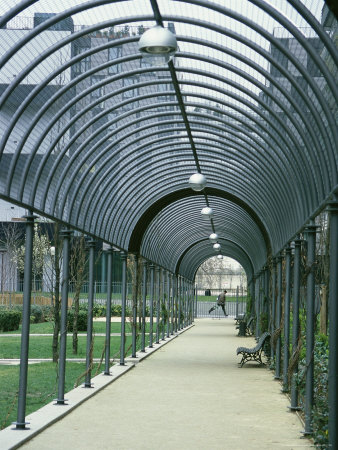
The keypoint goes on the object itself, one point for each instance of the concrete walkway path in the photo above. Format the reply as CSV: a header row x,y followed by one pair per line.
x,y
190,394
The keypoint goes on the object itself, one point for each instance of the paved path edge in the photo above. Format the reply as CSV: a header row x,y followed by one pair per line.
x,y
11,438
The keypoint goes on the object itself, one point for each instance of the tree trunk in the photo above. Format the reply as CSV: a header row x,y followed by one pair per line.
x,y
76,306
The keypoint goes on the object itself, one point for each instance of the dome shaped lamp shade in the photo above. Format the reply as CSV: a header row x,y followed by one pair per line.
x,y
213,237
158,45
217,247
207,212
197,182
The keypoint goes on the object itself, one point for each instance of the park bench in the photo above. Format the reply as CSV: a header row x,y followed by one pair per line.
x,y
255,353
239,318
245,327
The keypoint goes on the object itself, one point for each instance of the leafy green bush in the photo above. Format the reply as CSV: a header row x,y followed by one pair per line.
x,y
47,313
10,319
99,310
116,310
81,321
320,414
36,312
320,394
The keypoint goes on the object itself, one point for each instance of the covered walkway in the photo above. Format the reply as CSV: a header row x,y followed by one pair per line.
x,y
190,394
140,138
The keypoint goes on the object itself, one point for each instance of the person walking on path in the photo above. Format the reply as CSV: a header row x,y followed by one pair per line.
x,y
220,302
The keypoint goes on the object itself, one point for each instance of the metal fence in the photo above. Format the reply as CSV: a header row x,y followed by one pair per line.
x,y
231,308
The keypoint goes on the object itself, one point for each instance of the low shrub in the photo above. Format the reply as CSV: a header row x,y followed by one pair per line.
x,y
10,319
99,310
116,310
37,314
81,322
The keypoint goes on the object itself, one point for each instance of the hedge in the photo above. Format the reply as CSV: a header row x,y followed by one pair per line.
x,y
9,319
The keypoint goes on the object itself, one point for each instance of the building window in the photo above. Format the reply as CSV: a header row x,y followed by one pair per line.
x,y
84,64
114,53
99,92
295,94
112,126
280,57
130,93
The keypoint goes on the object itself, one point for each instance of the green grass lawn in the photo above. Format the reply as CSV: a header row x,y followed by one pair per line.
x,y
41,387
98,327
41,346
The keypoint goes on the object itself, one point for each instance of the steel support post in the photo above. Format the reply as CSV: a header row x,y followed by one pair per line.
x,y
191,302
273,306
108,309
179,296
253,298
89,349
333,329
158,303
196,300
295,319
168,304
20,424
124,305
310,322
151,309
266,294
144,305
237,300
258,302
287,318
175,297
65,234
134,306
279,315
163,302
103,272
173,282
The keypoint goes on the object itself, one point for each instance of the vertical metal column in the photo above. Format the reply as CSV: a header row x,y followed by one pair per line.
x,y
108,309
191,303
287,318
65,234
168,304
20,424
173,282
310,319
144,305
258,302
151,312
295,319
236,302
134,306
89,349
124,304
273,306
158,304
196,300
103,272
267,294
175,296
333,329
279,315
253,299
163,302
179,297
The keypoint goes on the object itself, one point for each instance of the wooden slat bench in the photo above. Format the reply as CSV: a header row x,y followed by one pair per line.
x,y
255,353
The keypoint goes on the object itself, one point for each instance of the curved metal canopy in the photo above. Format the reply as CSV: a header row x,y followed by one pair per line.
x,y
97,138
